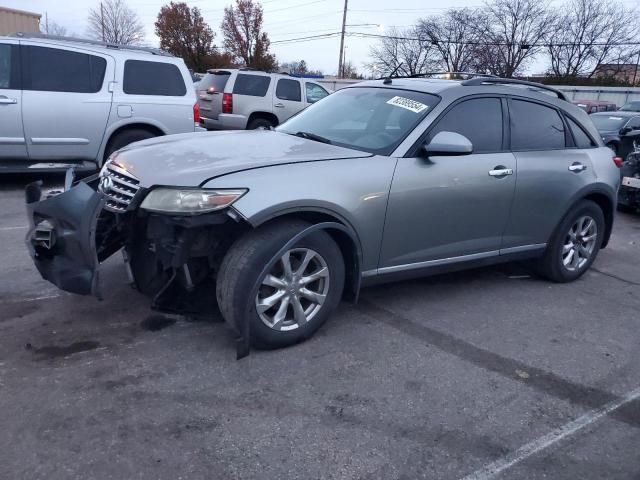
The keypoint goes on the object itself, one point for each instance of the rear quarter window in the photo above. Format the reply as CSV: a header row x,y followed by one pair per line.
x,y
153,78
254,85
580,137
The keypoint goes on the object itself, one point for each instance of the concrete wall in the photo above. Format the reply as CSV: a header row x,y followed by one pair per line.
x,y
12,21
617,95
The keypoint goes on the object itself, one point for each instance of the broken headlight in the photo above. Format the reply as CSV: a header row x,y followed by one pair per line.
x,y
173,200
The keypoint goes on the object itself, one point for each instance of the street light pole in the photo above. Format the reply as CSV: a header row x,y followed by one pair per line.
x,y
344,24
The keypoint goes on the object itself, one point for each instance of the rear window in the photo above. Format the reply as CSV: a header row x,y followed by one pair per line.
x,y
153,78
535,127
254,85
55,70
215,81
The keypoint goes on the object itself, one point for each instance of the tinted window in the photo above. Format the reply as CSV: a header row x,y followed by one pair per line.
x,y
631,106
215,81
254,85
54,70
5,66
374,120
314,92
634,123
153,78
535,127
288,90
582,140
480,120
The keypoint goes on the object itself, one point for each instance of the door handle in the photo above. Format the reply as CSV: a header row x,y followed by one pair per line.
x,y
279,105
500,171
7,101
577,167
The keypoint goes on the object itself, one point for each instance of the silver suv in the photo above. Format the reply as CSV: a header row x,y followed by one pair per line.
x,y
70,102
249,99
379,181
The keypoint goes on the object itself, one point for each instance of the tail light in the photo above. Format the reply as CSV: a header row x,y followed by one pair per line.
x,y
227,103
618,161
196,113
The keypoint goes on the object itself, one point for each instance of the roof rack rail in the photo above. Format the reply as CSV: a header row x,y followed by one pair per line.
x,y
98,43
452,75
472,82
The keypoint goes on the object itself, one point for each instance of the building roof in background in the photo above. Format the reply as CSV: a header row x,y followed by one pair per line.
x,y
20,12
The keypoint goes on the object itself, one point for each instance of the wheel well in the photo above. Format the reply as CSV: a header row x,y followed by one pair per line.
x,y
347,245
607,208
133,126
266,115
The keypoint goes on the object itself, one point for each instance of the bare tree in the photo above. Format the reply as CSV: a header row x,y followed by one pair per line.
x,y
114,22
402,51
53,28
510,34
243,36
588,33
454,36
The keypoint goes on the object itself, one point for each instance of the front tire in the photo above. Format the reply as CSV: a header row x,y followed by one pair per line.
x,y
295,297
575,243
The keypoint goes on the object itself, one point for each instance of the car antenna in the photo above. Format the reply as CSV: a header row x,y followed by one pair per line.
x,y
387,80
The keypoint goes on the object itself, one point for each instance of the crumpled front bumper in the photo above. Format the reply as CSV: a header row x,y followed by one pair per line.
x,y
62,236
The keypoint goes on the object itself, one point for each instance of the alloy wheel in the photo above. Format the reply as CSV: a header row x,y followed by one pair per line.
x,y
579,243
295,289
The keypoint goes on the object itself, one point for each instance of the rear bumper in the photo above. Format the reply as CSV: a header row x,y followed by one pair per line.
x,y
225,121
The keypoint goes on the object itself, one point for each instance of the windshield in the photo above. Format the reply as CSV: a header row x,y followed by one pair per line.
x,y
608,122
631,107
375,120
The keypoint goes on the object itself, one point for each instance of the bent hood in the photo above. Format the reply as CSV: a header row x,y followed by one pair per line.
x,y
194,158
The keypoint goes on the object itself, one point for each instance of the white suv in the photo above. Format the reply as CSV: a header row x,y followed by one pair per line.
x,y
239,99
66,102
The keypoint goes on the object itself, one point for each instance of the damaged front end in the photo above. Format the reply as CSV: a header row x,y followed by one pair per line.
x,y
171,258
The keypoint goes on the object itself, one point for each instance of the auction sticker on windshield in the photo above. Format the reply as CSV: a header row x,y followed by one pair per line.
x,y
408,104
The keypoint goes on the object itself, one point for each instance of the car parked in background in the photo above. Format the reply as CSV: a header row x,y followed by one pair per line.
x,y
631,107
71,102
594,106
616,130
383,180
241,99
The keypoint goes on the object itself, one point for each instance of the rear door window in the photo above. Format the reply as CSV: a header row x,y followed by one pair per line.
x,y
478,119
55,70
153,78
254,85
535,127
288,90
214,82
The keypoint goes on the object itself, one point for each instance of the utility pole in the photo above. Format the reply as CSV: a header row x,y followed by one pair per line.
x,y
341,56
102,20
46,22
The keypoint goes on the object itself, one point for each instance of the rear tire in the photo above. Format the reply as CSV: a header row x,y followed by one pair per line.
x,y
260,123
574,245
124,138
300,317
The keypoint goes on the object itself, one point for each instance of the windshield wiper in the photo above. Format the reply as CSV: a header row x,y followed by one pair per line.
x,y
313,136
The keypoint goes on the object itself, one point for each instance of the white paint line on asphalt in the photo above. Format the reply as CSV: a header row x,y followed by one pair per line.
x,y
492,470
17,227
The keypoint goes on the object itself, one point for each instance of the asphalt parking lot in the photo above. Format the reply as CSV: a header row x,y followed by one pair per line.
x,y
490,373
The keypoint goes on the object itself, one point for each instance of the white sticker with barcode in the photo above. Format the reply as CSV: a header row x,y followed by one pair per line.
x,y
408,104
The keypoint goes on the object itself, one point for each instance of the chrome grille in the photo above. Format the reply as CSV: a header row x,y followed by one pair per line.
x,y
119,186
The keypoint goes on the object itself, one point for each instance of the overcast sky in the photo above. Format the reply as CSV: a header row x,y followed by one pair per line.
x,y
283,19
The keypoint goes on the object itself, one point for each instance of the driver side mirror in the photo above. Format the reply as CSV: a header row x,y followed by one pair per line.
x,y
448,144
625,130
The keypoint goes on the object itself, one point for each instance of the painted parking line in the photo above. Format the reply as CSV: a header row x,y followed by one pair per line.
x,y
494,469
17,227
